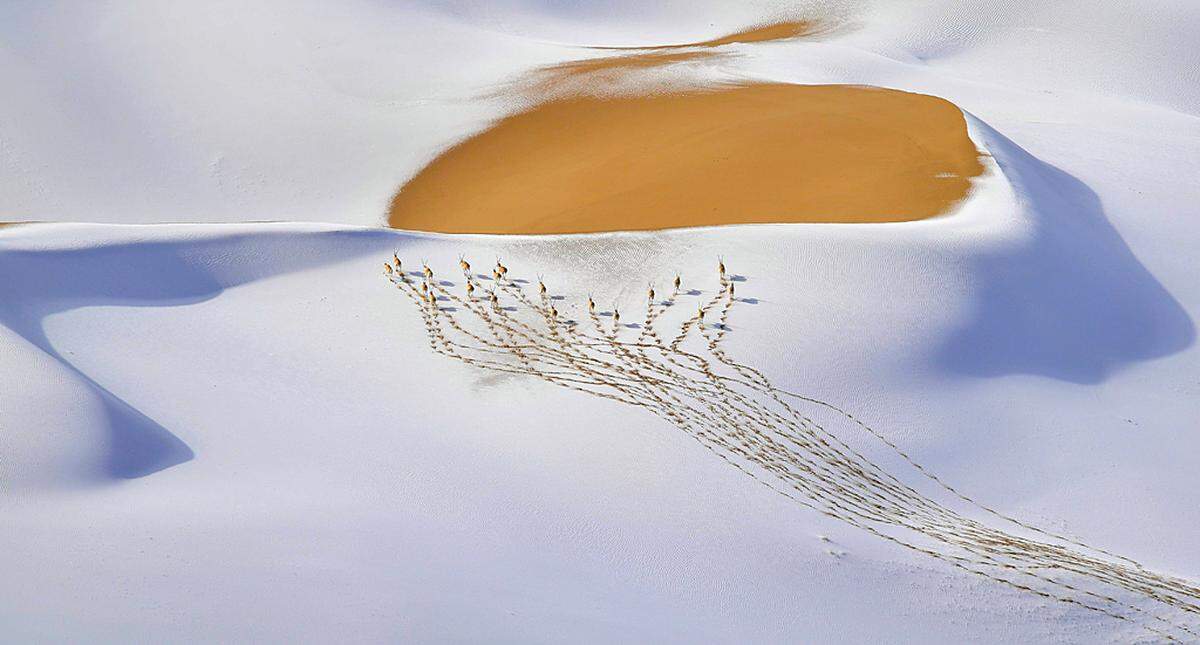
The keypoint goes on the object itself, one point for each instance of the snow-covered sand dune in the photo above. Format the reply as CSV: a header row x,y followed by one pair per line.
x,y
744,154
239,431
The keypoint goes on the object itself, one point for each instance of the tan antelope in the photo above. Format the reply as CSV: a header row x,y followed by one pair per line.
x,y
650,294
721,266
700,312
677,282
464,265
616,316
387,268
470,289
591,305
396,257
494,299
731,289
424,287
427,270
541,286
553,312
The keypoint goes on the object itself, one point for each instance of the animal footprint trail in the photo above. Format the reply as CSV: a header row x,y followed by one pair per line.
x,y
686,377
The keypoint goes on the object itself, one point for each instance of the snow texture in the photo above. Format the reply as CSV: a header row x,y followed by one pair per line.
x,y
237,431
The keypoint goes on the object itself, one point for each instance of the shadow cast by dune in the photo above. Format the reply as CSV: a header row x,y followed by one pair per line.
x,y
144,274
1071,302
139,445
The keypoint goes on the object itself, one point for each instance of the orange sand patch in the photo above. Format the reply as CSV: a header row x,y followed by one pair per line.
x,y
607,75
763,33
629,62
614,74
741,154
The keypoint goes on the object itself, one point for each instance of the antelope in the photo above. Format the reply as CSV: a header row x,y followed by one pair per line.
x,y
553,312
427,270
591,305
541,286
494,299
424,287
700,312
470,289
387,268
731,289
464,265
616,316
396,257
677,282
650,293
721,266
496,275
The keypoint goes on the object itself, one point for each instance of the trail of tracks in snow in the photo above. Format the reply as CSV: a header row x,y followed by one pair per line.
x,y
734,411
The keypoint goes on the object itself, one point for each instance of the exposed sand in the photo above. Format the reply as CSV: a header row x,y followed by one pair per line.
x,y
627,62
762,33
605,75
732,155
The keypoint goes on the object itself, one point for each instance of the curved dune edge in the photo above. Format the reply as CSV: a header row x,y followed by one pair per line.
x,y
742,154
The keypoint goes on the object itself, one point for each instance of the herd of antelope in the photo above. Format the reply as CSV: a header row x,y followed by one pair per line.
x,y
806,449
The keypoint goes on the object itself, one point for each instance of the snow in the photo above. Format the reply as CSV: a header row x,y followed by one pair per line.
x,y
237,431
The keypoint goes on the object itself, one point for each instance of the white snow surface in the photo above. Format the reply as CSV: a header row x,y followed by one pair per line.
x,y
237,431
